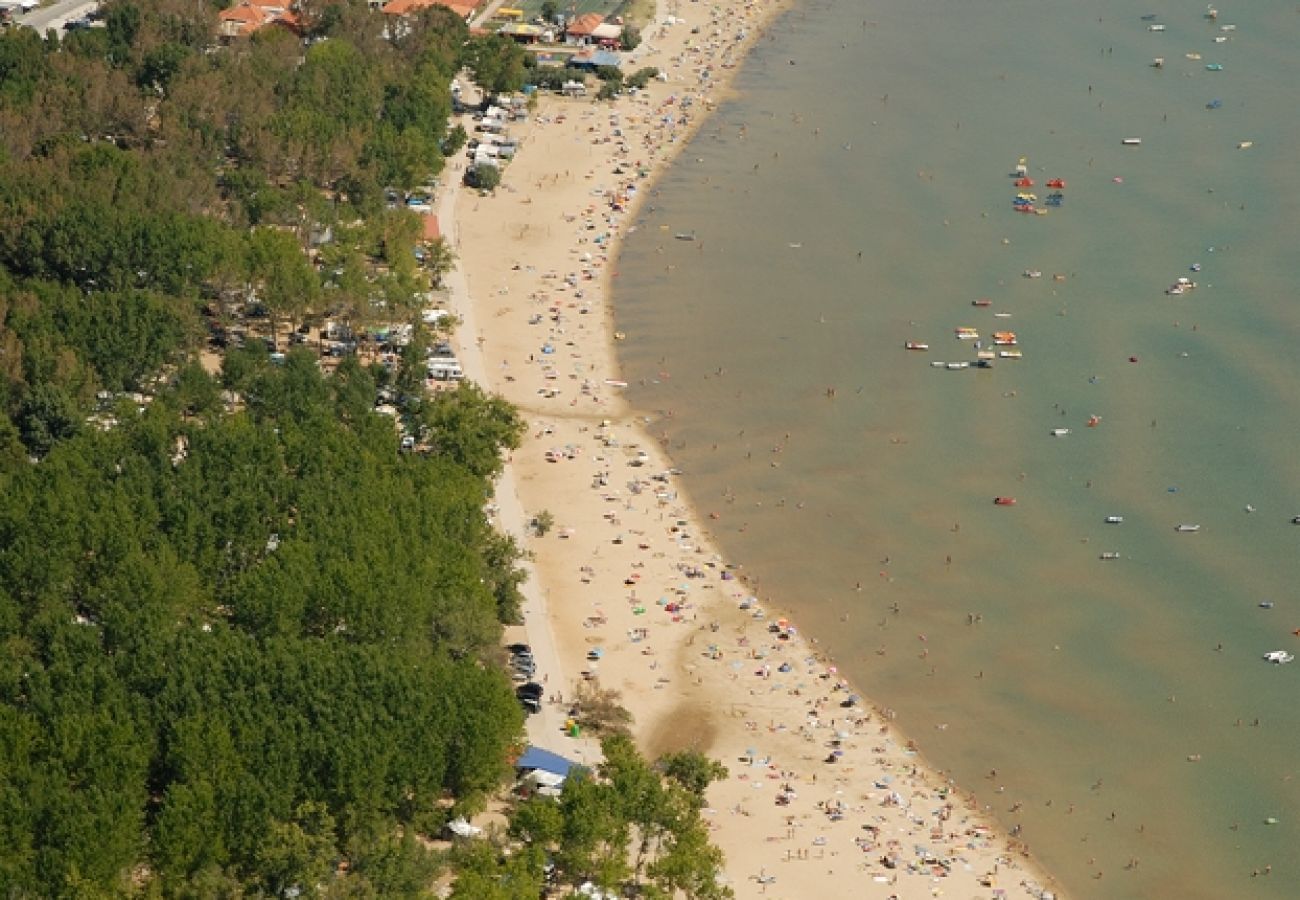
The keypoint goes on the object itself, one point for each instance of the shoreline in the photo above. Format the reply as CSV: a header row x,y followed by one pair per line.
x,y
628,570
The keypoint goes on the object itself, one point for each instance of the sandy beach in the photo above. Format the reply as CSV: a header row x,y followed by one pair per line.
x,y
824,795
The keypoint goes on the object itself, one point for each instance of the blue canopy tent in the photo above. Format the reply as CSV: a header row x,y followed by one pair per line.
x,y
537,759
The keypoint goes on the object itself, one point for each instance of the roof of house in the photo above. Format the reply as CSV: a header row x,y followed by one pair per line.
x,y
243,19
250,15
607,31
431,230
595,59
584,24
462,8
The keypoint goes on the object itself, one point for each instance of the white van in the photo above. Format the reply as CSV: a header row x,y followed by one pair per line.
x,y
442,369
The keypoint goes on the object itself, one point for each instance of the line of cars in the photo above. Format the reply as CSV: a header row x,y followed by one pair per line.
x,y
523,669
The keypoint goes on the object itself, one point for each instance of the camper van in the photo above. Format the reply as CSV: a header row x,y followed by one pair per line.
x,y
443,369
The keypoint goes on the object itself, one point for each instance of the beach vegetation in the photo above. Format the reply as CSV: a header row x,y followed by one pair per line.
x,y
627,828
483,177
599,710
496,62
542,523
641,77
630,38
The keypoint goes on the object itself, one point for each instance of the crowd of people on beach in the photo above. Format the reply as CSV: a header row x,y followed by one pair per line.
x,y
825,780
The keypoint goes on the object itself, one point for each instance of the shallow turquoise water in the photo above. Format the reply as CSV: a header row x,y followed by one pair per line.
x,y
893,139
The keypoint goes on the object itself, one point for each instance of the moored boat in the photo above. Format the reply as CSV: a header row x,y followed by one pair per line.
x,y
1060,432
1278,657
1131,141
1114,520
1004,501
1056,183
982,301
916,345
1032,273
1110,554
1186,527
959,365
1014,353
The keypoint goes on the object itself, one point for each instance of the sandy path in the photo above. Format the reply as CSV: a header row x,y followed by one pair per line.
x,y
824,797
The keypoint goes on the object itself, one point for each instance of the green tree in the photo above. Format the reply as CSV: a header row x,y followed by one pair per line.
x,y
497,63
298,853
483,176
288,284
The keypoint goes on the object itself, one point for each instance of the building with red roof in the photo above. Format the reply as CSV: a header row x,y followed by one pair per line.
x,y
249,16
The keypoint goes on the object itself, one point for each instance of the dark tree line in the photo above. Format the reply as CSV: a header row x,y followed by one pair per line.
x,y
239,648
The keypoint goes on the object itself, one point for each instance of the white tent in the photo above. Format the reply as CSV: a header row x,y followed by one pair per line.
x,y
460,828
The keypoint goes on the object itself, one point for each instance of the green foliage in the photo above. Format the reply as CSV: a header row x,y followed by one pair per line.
x,y
242,648
483,177
497,63
471,428
641,77
631,830
630,39
693,771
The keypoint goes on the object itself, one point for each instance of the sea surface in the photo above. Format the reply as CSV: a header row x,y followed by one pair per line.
x,y
854,194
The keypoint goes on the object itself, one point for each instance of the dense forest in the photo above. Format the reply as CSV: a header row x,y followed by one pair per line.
x,y
248,634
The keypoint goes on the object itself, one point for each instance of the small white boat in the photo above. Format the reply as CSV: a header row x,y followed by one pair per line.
x,y
1032,273
1186,527
1002,315
1277,657
1155,26
1131,141
938,364
916,345
1245,145
1010,354
1060,432
1110,554
959,365
1220,39
1295,520
1114,520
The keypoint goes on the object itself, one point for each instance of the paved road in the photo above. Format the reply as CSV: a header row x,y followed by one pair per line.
x,y
56,15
